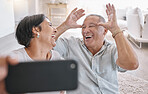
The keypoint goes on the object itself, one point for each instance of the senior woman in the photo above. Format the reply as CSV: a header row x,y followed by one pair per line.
x,y
37,35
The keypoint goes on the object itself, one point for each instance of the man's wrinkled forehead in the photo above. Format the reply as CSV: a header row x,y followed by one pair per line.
x,y
91,19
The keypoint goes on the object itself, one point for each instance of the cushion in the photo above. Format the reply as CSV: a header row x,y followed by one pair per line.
x,y
134,22
121,14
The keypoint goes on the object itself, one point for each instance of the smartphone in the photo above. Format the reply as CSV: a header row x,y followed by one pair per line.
x,y
42,76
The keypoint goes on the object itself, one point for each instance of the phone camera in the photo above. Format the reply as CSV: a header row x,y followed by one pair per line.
x,y
72,66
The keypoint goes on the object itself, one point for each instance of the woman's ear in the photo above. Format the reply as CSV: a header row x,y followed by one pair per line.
x,y
35,31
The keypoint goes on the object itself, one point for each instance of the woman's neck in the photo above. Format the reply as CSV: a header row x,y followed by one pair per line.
x,y
38,52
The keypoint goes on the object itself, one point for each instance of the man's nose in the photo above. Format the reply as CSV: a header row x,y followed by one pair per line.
x,y
86,30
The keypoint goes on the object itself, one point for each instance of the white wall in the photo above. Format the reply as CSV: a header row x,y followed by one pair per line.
x,y
95,6
98,6
6,17
24,8
33,7
20,9
12,11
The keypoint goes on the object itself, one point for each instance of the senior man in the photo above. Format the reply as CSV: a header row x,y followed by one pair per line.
x,y
98,59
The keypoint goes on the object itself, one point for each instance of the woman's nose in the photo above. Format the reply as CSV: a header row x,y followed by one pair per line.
x,y
54,30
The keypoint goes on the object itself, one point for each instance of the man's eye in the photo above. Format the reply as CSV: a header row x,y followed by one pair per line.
x,y
92,26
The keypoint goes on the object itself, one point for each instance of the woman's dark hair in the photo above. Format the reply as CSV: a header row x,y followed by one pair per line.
x,y
24,32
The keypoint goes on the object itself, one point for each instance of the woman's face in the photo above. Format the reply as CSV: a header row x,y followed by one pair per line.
x,y
47,33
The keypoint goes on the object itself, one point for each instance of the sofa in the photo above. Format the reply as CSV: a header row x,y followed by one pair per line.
x,y
137,26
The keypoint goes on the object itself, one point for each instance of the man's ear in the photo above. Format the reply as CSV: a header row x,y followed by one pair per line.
x,y
105,31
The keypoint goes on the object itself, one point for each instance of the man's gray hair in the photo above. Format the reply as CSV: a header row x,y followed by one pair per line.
x,y
101,18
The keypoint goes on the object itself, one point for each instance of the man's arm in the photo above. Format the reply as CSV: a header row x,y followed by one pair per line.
x,y
70,22
127,57
4,70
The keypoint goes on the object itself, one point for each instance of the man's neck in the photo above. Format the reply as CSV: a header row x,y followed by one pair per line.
x,y
95,48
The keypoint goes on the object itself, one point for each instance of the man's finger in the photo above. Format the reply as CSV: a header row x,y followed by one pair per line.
x,y
107,12
80,16
107,7
73,11
80,11
110,8
101,24
114,11
79,26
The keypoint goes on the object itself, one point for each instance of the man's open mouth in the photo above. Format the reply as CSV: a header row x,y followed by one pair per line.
x,y
88,37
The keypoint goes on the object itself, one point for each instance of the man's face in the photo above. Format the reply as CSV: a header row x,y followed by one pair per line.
x,y
93,35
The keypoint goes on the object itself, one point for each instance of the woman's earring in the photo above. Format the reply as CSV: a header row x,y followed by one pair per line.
x,y
38,35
